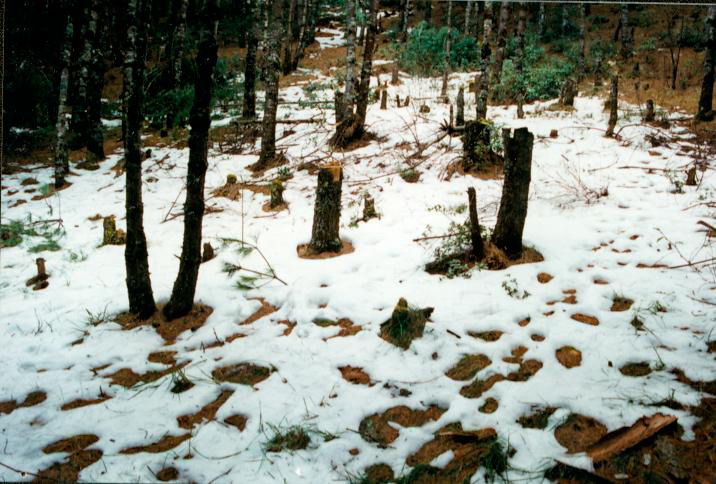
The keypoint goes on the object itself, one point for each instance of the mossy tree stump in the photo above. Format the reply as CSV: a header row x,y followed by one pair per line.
x,y
110,234
369,210
384,99
327,210
405,324
476,145
39,281
515,190
276,190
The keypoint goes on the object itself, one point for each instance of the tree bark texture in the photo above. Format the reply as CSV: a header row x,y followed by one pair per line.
x,y
182,298
252,39
515,191
348,96
176,54
705,110
520,65
626,34
460,116
288,39
476,144
613,105
501,43
139,285
367,65
446,68
62,164
272,69
467,28
482,84
581,60
478,246
649,114
327,210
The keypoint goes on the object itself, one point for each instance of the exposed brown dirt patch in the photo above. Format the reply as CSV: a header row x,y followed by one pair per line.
x,y
69,470
636,369
164,444
490,406
128,378
478,387
233,191
544,278
304,251
289,326
71,444
167,474
620,303
578,433
601,282
585,318
376,428
495,259
569,356
261,312
169,330
379,474
164,357
80,402
468,366
238,421
489,336
32,399
537,337
242,373
527,370
355,375
207,412
538,419
348,327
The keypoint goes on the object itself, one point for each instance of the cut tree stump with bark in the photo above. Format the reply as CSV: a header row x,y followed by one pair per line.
x,y
515,190
384,100
208,253
327,210
405,324
276,191
566,96
476,146
110,234
613,106
394,75
649,114
691,177
39,281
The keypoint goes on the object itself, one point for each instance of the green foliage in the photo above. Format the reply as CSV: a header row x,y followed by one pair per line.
x,y
545,81
694,37
647,45
423,53
513,289
602,49
13,233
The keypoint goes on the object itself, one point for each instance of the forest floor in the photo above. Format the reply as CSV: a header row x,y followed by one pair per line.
x,y
291,382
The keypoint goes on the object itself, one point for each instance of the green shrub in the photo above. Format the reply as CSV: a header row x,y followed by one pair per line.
x,y
545,81
423,53
648,45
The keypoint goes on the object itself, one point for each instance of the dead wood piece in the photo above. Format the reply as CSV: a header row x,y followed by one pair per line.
x,y
615,442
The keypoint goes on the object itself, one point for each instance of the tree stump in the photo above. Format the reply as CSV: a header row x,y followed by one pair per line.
x,y
208,253
649,114
327,210
231,179
613,105
407,101
384,100
276,189
460,117
110,234
478,247
369,211
515,190
397,100
476,144
39,281
405,324
691,177
566,96
424,109
394,76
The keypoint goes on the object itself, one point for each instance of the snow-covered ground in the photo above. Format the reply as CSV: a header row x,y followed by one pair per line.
x,y
583,240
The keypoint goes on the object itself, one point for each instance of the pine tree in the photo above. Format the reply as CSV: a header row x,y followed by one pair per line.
x,y
252,38
176,53
182,298
446,68
482,83
348,95
139,285
520,66
62,165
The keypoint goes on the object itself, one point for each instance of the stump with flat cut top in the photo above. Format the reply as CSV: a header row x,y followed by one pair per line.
x,y
327,210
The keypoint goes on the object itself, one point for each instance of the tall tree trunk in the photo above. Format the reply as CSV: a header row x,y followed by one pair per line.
x,y
304,32
582,42
176,54
515,191
367,66
479,20
288,49
78,76
626,35
405,20
446,69
520,68
348,95
467,29
252,38
501,43
705,110
482,83
272,68
95,81
541,20
182,298
139,285
62,165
